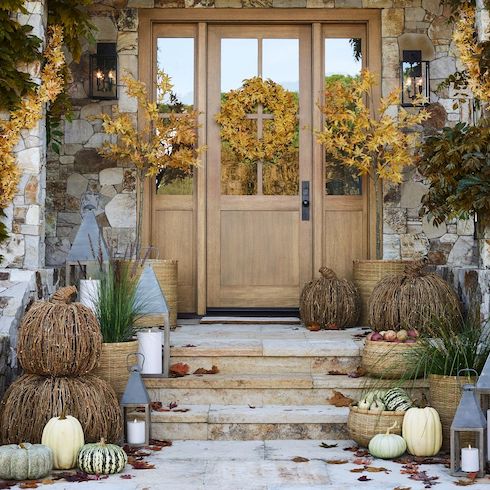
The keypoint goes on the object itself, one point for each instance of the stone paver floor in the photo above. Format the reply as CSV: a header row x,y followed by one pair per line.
x,y
264,465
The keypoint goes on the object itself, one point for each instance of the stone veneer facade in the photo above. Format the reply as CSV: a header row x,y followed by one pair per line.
x,y
79,179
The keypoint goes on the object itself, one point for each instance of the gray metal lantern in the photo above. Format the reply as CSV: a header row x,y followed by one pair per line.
x,y
136,397
469,422
88,243
483,387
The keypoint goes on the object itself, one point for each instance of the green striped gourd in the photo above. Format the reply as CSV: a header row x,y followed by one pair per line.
x,y
101,459
397,400
25,461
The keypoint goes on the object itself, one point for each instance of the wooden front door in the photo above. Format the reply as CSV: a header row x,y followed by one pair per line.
x,y
241,234
259,236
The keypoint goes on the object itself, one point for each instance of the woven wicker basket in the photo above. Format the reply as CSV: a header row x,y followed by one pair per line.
x,y
167,273
364,425
367,273
113,366
445,395
387,360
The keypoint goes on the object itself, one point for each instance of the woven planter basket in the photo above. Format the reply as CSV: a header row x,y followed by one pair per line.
x,y
367,274
113,366
387,360
364,425
167,275
445,395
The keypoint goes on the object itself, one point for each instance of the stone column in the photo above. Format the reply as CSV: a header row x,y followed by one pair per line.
x,y
25,217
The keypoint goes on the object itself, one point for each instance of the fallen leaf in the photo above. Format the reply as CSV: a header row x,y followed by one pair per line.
x,y
154,448
423,477
358,373
137,452
336,461
364,478
422,460
351,448
362,461
189,345
142,465
332,326
80,476
251,406
357,470
336,373
361,453
340,400
313,327
464,483
328,446
158,442
300,459
179,369
402,488
7,484
48,481
377,469
172,405
28,484
213,370
126,477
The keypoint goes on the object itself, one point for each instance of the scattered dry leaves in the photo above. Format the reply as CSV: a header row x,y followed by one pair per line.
x,y
171,407
189,345
336,373
179,369
80,476
328,446
300,459
364,478
352,449
402,488
361,453
363,461
126,477
464,483
336,461
142,465
214,370
313,327
160,443
405,460
358,373
29,484
357,470
332,326
340,400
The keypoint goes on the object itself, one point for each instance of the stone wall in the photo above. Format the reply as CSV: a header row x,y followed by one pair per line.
x,y
25,217
80,179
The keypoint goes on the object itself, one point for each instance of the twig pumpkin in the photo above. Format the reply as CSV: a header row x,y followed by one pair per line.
x,y
412,300
329,301
31,401
59,338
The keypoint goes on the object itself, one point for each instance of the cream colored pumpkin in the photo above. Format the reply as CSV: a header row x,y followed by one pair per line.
x,y
64,435
422,431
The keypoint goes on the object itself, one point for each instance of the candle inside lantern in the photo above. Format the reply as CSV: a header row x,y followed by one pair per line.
x,y
136,431
469,460
89,292
150,345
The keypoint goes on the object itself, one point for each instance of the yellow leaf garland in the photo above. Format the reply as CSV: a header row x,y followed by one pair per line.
x,y
30,113
240,132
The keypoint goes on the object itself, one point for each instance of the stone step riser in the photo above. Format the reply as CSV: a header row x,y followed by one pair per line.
x,y
272,365
253,396
248,432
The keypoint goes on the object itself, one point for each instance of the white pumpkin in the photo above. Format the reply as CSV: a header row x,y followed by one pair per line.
x,y
64,435
387,446
422,431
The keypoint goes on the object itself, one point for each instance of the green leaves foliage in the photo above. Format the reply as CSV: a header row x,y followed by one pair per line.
x,y
17,45
456,163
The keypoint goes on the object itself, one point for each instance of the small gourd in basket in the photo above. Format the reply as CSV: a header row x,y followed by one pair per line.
x,y
330,302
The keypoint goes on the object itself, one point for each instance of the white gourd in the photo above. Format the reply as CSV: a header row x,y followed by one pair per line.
x,y
387,446
25,461
64,435
422,431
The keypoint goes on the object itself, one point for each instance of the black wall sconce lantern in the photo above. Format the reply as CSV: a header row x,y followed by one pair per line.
x,y
415,78
103,72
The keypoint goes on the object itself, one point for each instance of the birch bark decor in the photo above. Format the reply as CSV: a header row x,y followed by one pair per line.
x,y
330,302
412,300
59,338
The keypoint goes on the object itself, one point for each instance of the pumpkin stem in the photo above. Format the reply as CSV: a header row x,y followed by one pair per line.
x,y
63,414
327,273
102,441
64,295
391,428
22,445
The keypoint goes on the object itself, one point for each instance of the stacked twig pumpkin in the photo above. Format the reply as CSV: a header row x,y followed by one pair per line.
x,y
59,345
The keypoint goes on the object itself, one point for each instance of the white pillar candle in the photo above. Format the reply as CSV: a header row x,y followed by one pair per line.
x,y
136,431
488,435
89,292
469,460
150,345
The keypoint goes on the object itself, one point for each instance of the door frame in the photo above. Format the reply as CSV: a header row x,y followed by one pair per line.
x,y
149,18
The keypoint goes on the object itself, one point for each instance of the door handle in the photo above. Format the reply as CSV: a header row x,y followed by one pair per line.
x,y
305,200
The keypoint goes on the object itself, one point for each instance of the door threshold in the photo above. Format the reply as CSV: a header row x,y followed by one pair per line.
x,y
252,315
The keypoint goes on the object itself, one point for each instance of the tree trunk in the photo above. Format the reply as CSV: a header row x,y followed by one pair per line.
x,y
139,209
378,189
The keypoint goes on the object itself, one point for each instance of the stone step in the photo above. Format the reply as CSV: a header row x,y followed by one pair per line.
x,y
261,389
243,422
